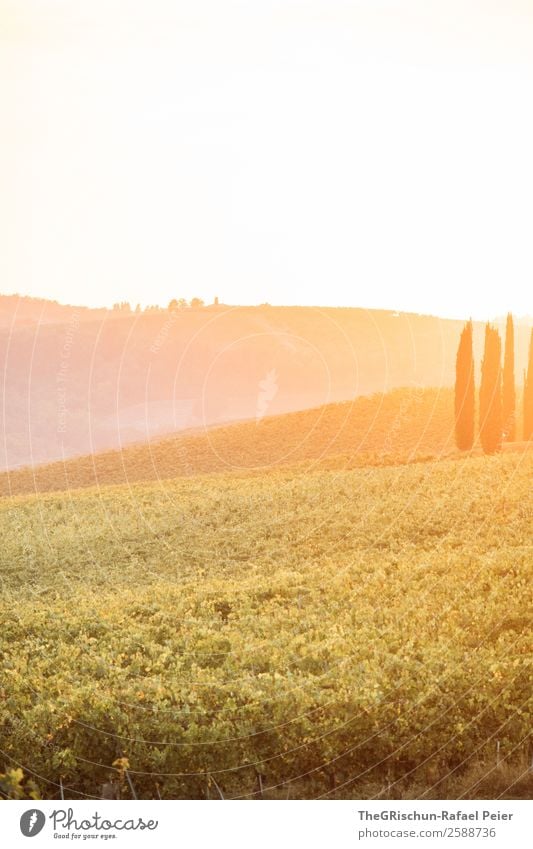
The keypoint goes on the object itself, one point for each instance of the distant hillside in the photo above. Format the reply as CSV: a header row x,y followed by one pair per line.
x,y
376,430
17,311
78,381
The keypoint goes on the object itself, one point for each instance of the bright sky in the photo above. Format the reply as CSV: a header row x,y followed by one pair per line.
x,y
370,153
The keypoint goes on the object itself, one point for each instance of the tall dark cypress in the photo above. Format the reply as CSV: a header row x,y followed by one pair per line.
x,y
528,394
490,394
508,388
464,390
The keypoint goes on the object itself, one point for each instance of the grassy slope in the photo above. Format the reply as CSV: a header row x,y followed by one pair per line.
x,y
367,624
376,429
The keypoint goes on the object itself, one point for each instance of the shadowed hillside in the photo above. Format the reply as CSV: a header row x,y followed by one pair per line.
x,y
79,381
375,430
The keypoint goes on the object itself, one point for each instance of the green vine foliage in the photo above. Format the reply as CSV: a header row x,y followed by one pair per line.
x,y
14,785
292,632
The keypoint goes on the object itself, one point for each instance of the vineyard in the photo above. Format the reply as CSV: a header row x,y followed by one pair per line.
x,y
381,429
334,633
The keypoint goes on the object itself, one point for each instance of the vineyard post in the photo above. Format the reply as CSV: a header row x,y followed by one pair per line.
x,y
260,785
130,782
389,782
217,787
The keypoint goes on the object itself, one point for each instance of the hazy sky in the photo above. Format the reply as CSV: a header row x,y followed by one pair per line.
x,y
359,152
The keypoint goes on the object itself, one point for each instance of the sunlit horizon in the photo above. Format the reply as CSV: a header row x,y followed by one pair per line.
x,y
210,302
372,154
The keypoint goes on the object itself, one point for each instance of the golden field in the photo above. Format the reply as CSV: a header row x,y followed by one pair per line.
x,y
339,632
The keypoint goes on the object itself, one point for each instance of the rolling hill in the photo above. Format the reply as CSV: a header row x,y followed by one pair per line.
x,y
79,381
324,602
396,427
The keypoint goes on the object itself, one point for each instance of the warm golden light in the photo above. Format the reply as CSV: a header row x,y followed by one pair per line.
x,y
374,153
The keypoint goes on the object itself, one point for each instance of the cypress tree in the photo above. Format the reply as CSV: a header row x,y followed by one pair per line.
x,y
528,394
464,390
490,395
508,388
